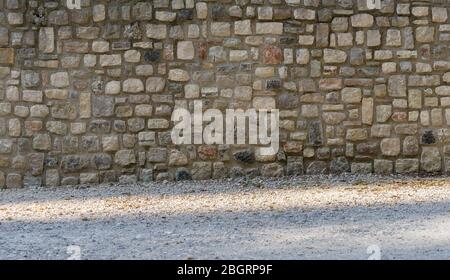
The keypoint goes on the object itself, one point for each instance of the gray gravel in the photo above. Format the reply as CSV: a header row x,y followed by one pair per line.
x,y
309,217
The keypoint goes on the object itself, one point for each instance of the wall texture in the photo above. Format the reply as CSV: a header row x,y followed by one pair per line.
x,y
86,95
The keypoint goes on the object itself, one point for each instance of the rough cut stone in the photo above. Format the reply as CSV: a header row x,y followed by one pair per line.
x,y
60,79
362,20
179,75
397,86
407,166
390,146
133,86
125,157
272,55
334,56
46,39
430,159
185,50
155,84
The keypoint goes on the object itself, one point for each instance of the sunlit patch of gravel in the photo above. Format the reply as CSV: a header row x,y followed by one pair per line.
x,y
291,217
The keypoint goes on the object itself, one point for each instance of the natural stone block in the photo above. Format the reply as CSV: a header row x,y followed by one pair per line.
x,y
179,75
362,20
133,86
59,79
407,166
46,39
142,11
13,181
390,146
42,142
272,54
334,56
304,14
242,27
155,84
185,50
367,111
317,167
125,157
201,170
356,134
397,86
220,29
425,34
439,14
272,28
351,95
430,159
177,158
361,168
382,166
110,60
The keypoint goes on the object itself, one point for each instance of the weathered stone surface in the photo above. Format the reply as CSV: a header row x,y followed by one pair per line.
x,y
315,133
46,39
125,157
155,84
201,170
272,170
2,180
179,75
156,31
110,60
13,181
430,159
102,161
6,146
185,50
351,95
65,111
410,146
7,56
407,166
334,56
361,168
42,142
73,163
294,166
177,158
317,167
221,29
439,14
390,146
397,86
30,79
383,113
246,156
382,166
273,28
356,134
425,34
272,54
133,86
102,106
339,165
362,20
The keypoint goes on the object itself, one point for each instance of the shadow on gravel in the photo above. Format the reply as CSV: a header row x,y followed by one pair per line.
x,y
402,231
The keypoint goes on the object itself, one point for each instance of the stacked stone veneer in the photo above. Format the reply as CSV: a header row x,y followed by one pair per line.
x,y
86,95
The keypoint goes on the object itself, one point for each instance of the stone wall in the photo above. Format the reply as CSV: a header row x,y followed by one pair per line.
x,y
86,95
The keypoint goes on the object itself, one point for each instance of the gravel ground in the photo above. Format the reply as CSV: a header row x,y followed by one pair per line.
x,y
309,217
